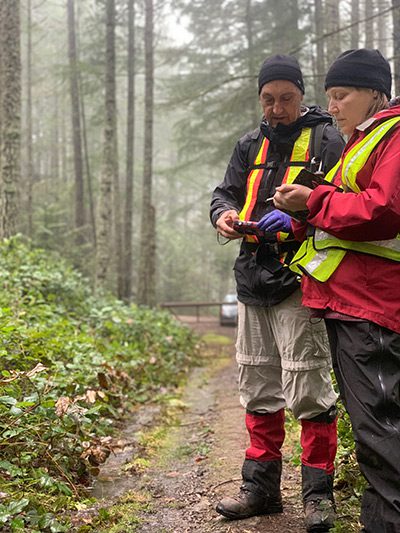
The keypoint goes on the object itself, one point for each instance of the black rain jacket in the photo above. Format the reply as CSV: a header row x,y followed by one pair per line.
x,y
260,277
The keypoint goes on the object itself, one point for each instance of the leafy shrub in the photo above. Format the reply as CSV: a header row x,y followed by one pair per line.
x,y
70,364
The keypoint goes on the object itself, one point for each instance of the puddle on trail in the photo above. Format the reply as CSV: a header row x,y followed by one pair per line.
x,y
113,480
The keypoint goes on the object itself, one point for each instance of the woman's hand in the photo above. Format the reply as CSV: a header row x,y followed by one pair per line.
x,y
292,197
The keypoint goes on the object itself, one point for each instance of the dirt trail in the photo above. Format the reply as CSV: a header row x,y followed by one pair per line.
x,y
204,458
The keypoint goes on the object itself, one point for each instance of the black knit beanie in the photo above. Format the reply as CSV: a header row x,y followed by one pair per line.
x,y
364,68
280,67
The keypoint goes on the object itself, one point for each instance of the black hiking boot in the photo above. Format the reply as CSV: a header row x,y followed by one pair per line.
x,y
259,494
320,515
319,506
248,504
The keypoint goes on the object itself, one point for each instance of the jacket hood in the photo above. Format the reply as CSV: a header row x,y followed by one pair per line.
x,y
281,133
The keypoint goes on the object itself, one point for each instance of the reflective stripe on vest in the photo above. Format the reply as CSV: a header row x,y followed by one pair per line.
x,y
299,153
357,156
320,255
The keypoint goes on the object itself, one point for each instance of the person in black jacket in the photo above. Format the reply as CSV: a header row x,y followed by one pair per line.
x,y
283,358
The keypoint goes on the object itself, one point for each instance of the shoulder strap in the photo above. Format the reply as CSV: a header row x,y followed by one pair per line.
x,y
317,135
255,145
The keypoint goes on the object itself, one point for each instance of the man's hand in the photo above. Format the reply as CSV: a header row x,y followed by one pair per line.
x,y
225,222
292,197
275,221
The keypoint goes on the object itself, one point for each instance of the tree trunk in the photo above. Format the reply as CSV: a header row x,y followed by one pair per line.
x,y
10,113
64,142
396,44
89,181
382,22
146,278
369,24
29,150
109,170
92,210
55,144
130,150
285,14
252,69
320,53
355,29
76,124
333,46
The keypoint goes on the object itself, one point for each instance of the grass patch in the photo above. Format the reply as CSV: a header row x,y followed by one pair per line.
x,y
215,339
121,517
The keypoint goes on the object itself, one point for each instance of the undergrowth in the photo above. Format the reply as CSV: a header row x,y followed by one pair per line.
x,y
349,484
71,365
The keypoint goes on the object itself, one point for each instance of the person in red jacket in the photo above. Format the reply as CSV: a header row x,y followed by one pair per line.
x,y
350,261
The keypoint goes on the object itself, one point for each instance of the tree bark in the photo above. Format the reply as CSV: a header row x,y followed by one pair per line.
x,y
76,124
333,46
29,149
146,278
320,53
110,168
92,210
10,113
130,150
369,24
382,22
252,68
355,29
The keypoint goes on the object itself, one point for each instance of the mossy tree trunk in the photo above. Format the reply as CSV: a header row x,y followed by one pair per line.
x,y
76,124
10,115
130,146
146,277
105,244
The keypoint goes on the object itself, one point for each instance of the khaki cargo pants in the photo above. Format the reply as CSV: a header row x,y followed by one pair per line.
x,y
284,359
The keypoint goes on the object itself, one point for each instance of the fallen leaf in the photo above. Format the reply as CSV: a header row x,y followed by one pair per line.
x,y
91,396
102,379
62,405
38,368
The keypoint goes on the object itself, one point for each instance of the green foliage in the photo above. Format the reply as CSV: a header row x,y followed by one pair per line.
x,y
219,67
349,483
70,365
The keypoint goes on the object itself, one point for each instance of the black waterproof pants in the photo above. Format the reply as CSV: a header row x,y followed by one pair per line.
x,y
366,361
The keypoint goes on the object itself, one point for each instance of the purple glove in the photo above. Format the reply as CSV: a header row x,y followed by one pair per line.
x,y
275,221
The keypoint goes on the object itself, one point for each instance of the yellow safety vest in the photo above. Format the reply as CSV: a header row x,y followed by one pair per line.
x,y
300,153
320,255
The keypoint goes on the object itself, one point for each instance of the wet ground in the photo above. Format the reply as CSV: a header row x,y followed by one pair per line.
x,y
203,458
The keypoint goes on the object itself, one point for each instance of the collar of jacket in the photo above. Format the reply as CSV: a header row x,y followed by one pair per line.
x,y
282,134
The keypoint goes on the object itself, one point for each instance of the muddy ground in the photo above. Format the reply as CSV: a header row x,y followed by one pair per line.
x,y
202,459
189,486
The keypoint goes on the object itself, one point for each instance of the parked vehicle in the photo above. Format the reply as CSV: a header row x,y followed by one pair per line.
x,y
229,311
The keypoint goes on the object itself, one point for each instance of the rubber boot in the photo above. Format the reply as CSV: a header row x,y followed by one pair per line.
x,y
319,442
261,472
259,494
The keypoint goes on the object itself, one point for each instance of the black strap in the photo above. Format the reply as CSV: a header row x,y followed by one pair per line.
x,y
274,247
317,135
254,149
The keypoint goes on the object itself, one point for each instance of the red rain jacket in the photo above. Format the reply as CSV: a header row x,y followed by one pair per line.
x,y
363,286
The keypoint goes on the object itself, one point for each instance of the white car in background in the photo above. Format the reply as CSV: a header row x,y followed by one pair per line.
x,y
229,312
